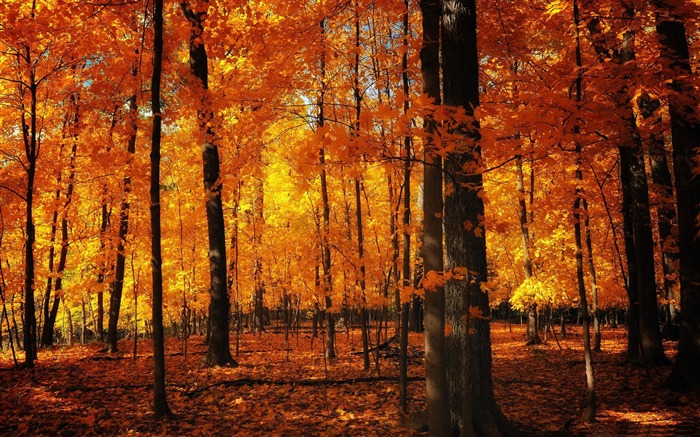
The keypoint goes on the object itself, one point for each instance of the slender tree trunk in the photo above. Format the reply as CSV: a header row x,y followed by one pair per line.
x,y
117,284
358,198
578,204
50,318
52,256
104,264
31,150
406,222
594,279
325,246
160,404
533,336
218,351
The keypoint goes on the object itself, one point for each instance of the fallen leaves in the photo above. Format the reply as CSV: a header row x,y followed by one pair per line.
x,y
539,388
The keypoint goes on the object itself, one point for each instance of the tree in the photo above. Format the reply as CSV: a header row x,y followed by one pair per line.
x,y
685,133
160,403
218,352
472,404
435,377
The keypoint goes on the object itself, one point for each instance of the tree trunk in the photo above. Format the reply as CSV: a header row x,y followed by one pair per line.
x,y
327,279
583,302
472,403
160,404
652,352
50,317
116,286
533,336
685,131
30,141
436,392
218,351
594,279
406,222
633,344
52,249
666,212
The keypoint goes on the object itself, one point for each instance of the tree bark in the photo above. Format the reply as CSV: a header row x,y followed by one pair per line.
x,y
218,351
436,392
472,403
116,286
406,222
160,404
685,132
665,209
31,152
327,279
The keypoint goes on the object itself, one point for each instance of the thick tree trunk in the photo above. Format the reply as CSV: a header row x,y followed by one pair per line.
x,y
436,391
685,131
218,351
472,403
665,209
652,352
643,332
632,319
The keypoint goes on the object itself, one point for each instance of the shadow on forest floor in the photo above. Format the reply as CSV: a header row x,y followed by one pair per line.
x,y
543,388
79,391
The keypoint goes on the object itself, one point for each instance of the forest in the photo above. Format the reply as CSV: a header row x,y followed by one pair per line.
x,y
350,217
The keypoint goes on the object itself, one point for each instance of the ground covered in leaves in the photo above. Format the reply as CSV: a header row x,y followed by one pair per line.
x,y
288,389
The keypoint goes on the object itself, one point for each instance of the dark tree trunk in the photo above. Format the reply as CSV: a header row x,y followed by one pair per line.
x,y
436,391
652,352
116,286
364,318
30,141
643,315
50,316
258,223
406,222
104,266
160,404
594,279
218,351
685,131
578,204
632,319
472,403
327,279
52,255
668,226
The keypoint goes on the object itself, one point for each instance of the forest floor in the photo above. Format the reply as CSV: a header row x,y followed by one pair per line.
x,y
292,391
